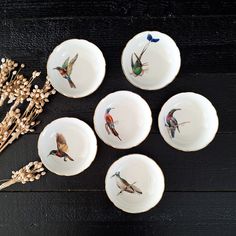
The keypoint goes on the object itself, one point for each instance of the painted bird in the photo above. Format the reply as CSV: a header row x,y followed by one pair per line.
x,y
66,69
172,123
62,148
110,124
124,186
137,66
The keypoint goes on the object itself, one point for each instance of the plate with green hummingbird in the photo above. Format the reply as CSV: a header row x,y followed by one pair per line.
x,y
151,60
134,183
188,121
122,119
67,146
76,68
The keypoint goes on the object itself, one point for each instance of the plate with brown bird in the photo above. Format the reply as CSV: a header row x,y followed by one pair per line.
x,y
67,146
134,183
76,68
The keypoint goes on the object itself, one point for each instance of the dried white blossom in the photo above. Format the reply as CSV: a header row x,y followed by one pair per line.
x,y
16,89
29,173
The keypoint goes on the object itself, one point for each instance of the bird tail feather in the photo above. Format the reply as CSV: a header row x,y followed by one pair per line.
x,y
115,133
70,158
72,85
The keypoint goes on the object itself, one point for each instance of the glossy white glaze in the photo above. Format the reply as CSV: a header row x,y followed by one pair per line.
x,y
162,58
132,119
141,172
88,70
81,141
197,119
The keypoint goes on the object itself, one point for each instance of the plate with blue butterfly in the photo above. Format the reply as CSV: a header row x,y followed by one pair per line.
x,y
151,60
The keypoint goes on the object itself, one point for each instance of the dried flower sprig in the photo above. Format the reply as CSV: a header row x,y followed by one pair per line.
x,y
10,79
17,89
29,173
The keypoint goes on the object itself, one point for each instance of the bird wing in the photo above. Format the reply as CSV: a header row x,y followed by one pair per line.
x,y
70,158
176,124
136,189
61,143
70,66
172,128
113,130
129,189
132,61
65,64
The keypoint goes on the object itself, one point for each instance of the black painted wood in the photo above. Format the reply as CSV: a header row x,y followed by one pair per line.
x,y
207,44
200,186
73,8
90,213
211,169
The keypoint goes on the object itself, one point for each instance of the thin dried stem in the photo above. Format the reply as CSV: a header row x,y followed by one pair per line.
x,y
18,90
29,173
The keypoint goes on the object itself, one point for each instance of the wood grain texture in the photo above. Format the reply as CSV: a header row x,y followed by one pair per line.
x,y
200,186
91,213
205,44
73,8
211,169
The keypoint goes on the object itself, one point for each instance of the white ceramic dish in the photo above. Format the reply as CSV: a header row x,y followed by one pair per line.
x,y
76,68
197,121
134,183
67,146
151,60
122,119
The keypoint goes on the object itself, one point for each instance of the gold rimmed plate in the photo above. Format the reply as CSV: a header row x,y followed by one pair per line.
x,y
76,68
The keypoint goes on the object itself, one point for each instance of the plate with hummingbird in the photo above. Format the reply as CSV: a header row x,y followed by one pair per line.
x,y
122,119
76,68
134,183
150,60
188,121
67,146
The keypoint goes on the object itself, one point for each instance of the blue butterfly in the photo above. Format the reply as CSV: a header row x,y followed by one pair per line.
x,y
151,39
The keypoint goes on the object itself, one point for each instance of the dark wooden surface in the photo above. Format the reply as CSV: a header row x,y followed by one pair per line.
x,y
200,196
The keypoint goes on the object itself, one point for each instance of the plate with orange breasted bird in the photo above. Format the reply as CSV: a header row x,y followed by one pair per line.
x,y
122,119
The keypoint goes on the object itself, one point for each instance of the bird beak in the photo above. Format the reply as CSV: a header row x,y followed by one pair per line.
x,y
113,175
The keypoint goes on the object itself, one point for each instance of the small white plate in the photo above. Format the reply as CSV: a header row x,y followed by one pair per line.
x,y
151,60
188,121
122,119
76,68
134,183
67,146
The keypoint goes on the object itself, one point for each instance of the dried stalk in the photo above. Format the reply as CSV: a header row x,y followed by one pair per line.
x,y
17,89
29,173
